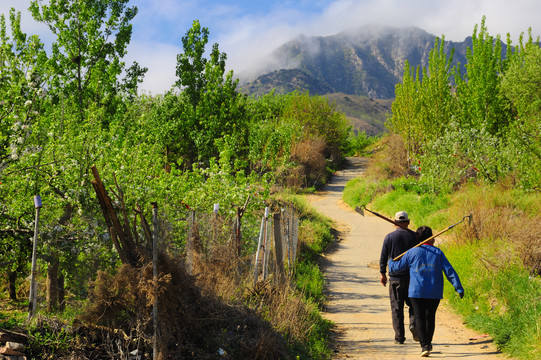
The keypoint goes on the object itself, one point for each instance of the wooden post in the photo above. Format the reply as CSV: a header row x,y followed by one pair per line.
x,y
266,245
32,306
189,243
155,276
294,238
278,250
260,245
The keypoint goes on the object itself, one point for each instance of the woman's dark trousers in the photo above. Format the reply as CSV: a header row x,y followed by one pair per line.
x,y
425,319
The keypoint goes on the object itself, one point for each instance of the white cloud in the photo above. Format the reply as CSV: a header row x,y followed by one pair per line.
x,y
161,61
248,40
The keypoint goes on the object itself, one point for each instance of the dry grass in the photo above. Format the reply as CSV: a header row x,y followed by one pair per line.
x,y
282,306
309,154
389,160
498,215
194,323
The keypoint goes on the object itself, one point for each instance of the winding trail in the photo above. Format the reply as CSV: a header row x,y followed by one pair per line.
x,y
359,305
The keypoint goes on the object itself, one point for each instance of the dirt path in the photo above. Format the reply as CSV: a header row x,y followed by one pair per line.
x,y
359,304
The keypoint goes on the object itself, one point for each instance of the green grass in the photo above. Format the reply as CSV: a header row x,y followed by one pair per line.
x,y
502,298
315,235
388,197
505,303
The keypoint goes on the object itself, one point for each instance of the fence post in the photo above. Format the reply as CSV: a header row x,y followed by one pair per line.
x,y
215,224
32,306
237,234
155,277
294,237
189,242
260,244
266,245
278,245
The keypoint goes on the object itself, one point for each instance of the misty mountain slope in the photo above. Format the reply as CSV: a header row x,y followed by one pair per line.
x,y
365,61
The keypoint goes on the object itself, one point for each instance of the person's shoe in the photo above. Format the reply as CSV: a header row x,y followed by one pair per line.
x,y
414,333
425,352
399,342
430,347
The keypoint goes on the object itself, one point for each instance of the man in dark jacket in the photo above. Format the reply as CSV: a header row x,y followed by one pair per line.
x,y
426,265
394,244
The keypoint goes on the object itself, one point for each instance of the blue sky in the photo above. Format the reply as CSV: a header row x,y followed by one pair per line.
x,y
247,31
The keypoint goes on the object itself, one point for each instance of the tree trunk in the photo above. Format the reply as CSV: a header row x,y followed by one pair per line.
x,y
12,278
61,293
52,284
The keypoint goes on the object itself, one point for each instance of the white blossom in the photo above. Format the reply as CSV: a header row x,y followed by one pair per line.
x,y
28,103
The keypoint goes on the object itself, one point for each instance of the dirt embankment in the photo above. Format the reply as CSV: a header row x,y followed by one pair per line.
x,y
359,304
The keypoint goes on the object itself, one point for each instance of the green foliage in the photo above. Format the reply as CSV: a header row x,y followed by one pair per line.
x,y
46,340
13,319
503,303
310,281
423,103
358,142
485,128
318,118
388,197
482,105
361,191
185,150
85,64
521,84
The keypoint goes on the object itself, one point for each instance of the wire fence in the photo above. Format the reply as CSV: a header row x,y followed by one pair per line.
x,y
270,248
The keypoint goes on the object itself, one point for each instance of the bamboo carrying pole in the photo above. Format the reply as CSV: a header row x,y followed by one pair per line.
x,y
436,235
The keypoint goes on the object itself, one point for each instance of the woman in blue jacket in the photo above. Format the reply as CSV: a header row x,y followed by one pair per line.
x,y
426,264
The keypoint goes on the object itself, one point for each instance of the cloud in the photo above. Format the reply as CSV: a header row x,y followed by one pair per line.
x,y
248,40
161,61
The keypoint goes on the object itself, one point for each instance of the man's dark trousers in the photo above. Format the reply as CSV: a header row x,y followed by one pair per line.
x,y
398,293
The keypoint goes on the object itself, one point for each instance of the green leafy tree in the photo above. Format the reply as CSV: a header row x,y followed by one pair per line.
x,y
521,83
191,64
482,105
424,105
405,109
85,64
84,96
21,96
217,113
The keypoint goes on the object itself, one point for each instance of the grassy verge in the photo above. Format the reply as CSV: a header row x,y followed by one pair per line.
x,y
315,235
503,301
387,197
498,257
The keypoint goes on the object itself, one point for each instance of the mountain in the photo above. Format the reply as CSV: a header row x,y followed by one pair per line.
x,y
366,61
354,68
